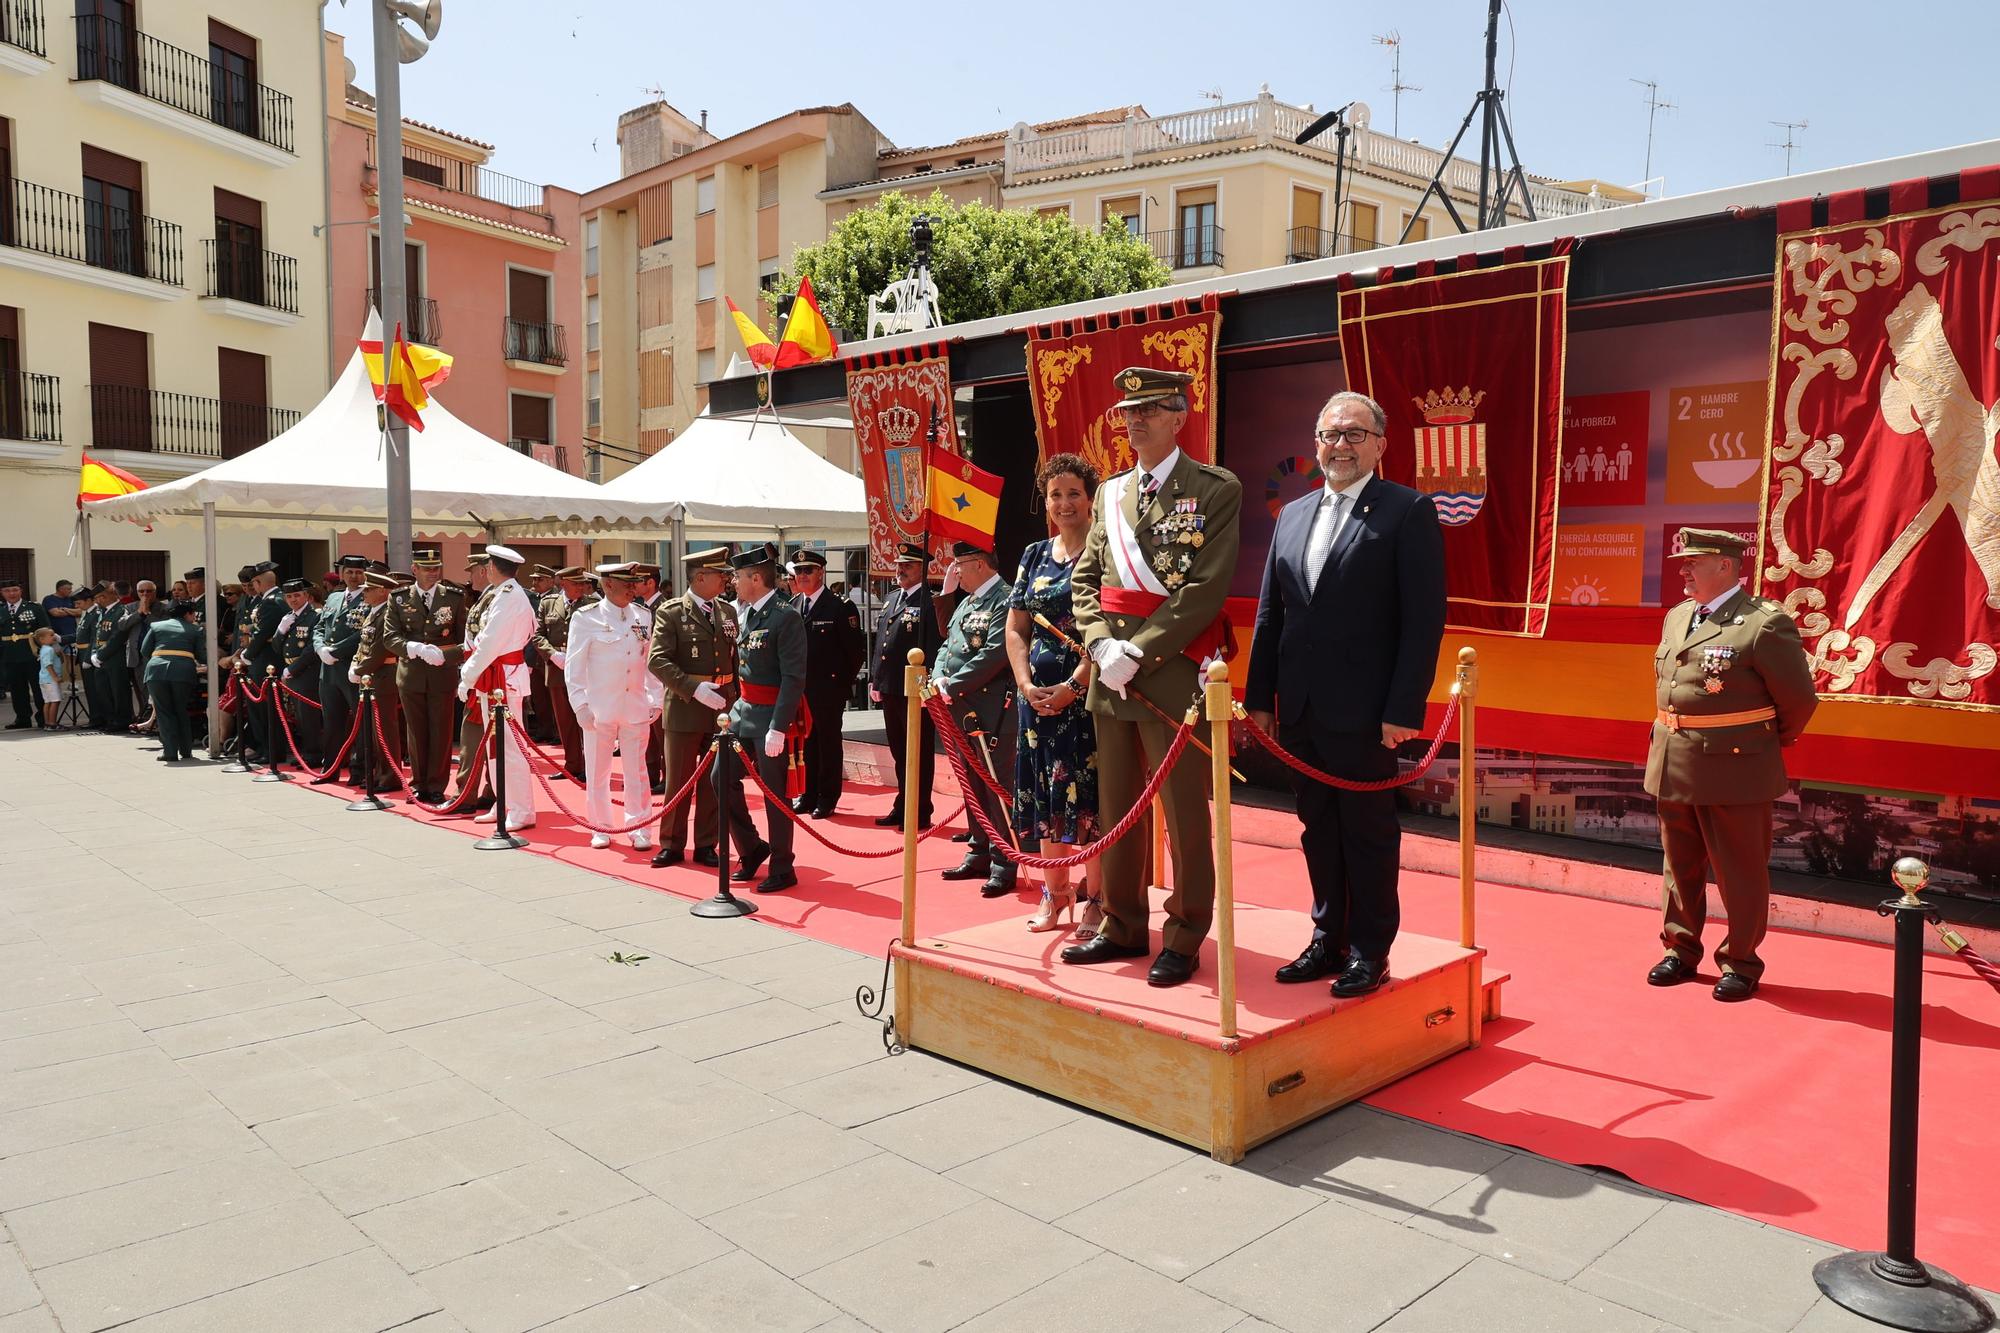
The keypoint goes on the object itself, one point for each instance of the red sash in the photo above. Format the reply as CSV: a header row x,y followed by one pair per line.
x,y
1138,602
764,696
493,677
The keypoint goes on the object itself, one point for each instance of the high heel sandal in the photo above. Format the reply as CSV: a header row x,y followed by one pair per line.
x,y
1055,910
1093,917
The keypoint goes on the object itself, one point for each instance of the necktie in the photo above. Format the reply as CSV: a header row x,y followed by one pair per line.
x,y
1325,524
1149,486
1700,615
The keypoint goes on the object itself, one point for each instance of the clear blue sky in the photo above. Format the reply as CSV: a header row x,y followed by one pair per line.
x,y
546,79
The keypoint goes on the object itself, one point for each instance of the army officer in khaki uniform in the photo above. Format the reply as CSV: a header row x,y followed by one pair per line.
x,y
694,656
1731,685
1147,594
424,629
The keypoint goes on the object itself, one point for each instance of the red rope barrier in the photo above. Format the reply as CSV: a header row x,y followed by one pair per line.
x,y
332,768
940,709
1005,845
1972,958
307,700
652,813
467,792
1299,765
750,766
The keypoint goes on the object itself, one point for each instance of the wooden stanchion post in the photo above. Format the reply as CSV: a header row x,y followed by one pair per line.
x,y
1466,689
912,780
1221,706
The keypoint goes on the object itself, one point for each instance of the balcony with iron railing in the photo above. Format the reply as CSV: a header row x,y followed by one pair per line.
x,y
421,323
68,226
1261,121
468,181
246,273
543,344
115,53
1306,243
555,455
21,26
1188,247
30,407
179,424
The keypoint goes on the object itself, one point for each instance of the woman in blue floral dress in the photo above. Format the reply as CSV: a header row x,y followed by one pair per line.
x,y
1055,764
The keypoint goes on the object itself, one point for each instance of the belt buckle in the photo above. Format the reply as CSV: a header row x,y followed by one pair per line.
x,y
1671,721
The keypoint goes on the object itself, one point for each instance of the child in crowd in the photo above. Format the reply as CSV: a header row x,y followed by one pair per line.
x,y
49,655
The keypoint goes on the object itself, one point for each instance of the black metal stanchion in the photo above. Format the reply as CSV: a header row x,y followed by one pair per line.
x,y
239,764
364,710
502,839
273,731
724,903
1893,1286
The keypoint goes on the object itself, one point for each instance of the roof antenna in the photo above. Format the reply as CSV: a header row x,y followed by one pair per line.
x,y
1394,41
1790,145
1654,105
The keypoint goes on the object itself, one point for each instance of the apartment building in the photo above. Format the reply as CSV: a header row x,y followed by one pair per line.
x,y
695,220
162,290
493,274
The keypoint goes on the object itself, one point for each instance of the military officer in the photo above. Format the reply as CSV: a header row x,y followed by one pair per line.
x,y
367,666
834,648
771,675
910,619
499,661
574,589
424,628
257,631
335,634
114,686
972,676
1148,594
101,599
300,670
540,581
472,723
694,656
1732,684
19,619
646,595
615,699
196,583
175,655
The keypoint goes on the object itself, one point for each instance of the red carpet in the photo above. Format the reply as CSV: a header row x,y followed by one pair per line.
x,y
1776,1109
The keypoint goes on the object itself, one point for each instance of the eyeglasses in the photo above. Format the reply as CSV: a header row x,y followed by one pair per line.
x,y
1353,435
1142,411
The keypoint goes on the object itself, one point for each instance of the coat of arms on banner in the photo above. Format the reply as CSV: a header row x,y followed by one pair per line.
x,y
903,460
1451,454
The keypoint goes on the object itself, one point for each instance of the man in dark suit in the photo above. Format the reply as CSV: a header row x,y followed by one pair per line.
x,y
909,620
834,646
1348,624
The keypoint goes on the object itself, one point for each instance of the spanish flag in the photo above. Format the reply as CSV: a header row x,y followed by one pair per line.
x,y
964,501
755,341
417,370
808,337
101,481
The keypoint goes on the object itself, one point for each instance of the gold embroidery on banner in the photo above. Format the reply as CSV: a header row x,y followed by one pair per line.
x,y
1188,349
1939,677
1811,365
1811,623
1842,670
1053,369
1966,231
1791,481
1870,264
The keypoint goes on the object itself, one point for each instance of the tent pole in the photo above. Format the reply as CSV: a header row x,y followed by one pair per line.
x,y
393,280
209,584
678,556
83,531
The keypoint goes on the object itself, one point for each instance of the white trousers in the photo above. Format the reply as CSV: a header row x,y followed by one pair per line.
x,y
630,740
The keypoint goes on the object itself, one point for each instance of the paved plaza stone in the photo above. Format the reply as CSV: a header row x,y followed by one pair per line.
x,y
266,1065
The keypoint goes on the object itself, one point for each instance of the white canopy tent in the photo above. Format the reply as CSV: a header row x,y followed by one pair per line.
x,y
328,469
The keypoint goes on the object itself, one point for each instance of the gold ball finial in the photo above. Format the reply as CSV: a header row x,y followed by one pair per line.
x,y
1910,875
1218,671
915,657
1467,656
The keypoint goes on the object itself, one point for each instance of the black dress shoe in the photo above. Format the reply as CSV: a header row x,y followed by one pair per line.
x,y
666,856
1101,949
1360,976
1320,959
321,782
1734,986
974,866
965,836
1670,971
890,820
1171,968
801,806
746,870
823,812
705,856
998,884
777,881
20,726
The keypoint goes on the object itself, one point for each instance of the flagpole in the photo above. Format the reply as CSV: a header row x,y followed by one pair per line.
x,y
393,280
83,535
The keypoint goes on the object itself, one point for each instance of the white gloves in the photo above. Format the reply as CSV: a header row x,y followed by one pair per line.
x,y
428,652
326,654
1117,662
96,661
951,578
558,659
290,618
774,744
943,692
353,676
708,696
874,695
585,718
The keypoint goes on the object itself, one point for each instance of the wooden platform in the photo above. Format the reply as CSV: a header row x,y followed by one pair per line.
x,y
996,997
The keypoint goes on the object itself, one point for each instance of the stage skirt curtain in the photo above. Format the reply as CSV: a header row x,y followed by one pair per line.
x,y
896,401
1469,367
1073,366
1882,503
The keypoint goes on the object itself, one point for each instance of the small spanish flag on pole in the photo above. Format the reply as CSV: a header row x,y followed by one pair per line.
x,y
415,371
756,343
101,481
964,501
808,337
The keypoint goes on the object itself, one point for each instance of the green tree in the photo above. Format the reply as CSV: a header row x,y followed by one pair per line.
x,y
985,261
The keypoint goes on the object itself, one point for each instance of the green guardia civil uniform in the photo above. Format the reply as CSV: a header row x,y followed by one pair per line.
x,y
972,669
770,663
1730,689
692,645
170,654
1186,534
300,672
18,657
93,678
338,632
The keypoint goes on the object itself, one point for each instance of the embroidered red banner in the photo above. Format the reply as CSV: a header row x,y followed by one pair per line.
x,y
1071,368
1882,502
896,403
1469,368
